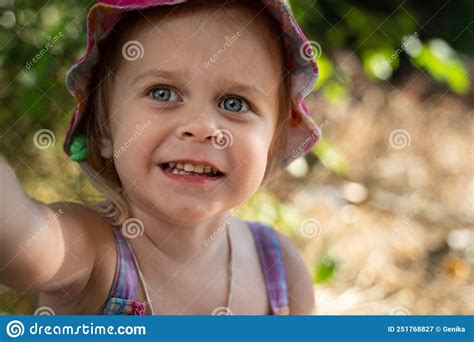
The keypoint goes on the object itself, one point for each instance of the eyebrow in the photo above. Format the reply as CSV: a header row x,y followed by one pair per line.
x,y
244,88
230,85
172,75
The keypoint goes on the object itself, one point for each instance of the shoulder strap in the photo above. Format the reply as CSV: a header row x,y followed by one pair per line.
x,y
125,280
273,266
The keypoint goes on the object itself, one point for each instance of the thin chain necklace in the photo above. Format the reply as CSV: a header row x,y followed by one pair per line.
x,y
230,267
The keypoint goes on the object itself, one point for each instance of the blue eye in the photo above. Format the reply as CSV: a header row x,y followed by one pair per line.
x,y
235,104
164,94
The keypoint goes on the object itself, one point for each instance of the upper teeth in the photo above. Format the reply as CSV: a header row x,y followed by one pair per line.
x,y
192,168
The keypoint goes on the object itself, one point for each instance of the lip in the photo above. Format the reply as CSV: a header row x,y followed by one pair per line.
x,y
194,161
190,179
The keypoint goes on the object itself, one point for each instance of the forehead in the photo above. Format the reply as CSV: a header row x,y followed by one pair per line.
x,y
214,44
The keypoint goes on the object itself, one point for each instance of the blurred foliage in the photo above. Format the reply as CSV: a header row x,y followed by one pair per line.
x,y
434,36
38,43
330,157
266,208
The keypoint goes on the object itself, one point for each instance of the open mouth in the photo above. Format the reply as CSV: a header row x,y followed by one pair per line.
x,y
191,170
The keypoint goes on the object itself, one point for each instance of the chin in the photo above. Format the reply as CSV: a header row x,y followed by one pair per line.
x,y
187,212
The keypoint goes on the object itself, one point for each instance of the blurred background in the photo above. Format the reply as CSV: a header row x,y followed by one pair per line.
x,y
382,207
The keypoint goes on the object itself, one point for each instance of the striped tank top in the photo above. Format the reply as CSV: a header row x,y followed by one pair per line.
x,y
122,296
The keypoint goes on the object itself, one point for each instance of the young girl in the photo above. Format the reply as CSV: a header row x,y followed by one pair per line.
x,y
184,109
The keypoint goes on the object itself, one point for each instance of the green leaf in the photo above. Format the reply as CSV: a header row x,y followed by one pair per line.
x,y
381,63
444,65
325,270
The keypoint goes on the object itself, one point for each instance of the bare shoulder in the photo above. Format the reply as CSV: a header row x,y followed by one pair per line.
x,y
89,222
84,224
84,233
300,285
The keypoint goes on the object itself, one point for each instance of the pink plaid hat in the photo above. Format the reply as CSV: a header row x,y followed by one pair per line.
x,y
302,133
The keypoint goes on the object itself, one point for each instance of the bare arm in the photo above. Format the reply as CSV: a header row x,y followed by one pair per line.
x,y
43,248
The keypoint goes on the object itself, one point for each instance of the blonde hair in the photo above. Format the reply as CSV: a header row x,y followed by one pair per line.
x,y
101,172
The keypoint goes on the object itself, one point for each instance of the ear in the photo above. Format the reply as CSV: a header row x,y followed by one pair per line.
x,y
106,148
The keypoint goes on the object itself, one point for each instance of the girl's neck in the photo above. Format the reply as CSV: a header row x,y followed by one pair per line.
x,y
179,240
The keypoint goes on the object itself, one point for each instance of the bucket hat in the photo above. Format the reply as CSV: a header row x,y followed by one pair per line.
x,y
301,132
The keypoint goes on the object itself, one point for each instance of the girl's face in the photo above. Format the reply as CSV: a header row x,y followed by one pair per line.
x,y
205,89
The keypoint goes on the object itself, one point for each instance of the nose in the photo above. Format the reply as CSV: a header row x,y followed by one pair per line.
x,y
200,128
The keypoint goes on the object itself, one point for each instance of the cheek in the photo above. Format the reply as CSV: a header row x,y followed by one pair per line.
x,y
127,163
127,113
250,161
133,150
135,130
